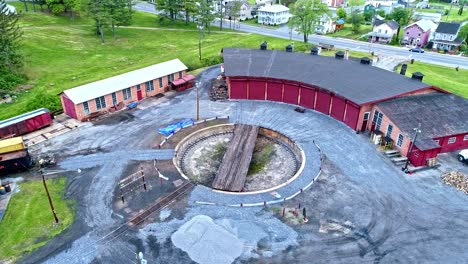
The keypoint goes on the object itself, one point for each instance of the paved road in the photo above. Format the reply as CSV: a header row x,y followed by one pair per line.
x,y
283,32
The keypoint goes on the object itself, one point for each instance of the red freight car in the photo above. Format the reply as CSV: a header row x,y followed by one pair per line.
x,y
25,123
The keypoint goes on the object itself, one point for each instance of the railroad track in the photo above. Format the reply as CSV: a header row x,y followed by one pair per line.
x,y
158,205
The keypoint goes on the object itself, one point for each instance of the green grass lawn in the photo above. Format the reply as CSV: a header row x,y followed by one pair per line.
x,y
453,13
28,222
346,32
58,50
443,77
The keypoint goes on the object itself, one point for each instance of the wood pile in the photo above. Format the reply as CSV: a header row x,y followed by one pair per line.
x,y
457,180
236,161
219,90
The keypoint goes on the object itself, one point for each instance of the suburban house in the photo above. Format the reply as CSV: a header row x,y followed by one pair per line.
x,y
418,33
385,98
113,93
443,132
383,31
445,37
325,25
333,3
388,7
245,9
434,17
273,14
369,8
263,2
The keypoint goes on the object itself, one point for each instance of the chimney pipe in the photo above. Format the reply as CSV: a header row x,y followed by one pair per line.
x,y
339,55
417,76
264,45
365,60
314,51
403,69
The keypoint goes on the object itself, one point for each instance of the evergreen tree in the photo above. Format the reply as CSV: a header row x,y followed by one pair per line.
x,y
10,35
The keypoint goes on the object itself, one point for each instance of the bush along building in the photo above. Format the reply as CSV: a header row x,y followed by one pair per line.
x,y
113,93
353,92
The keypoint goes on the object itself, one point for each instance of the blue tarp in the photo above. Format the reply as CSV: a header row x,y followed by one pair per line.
x,y
171,128
132,105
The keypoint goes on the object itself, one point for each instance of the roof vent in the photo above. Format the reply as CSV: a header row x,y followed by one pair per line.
x,y
339,55
264,45
365,60
417,76
314,51
403,69
289,48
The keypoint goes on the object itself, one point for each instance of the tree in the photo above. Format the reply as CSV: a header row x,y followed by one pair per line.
x,y
190,8
120,13
381,13
402,16
355,18
170,8
341,13
10,35
98,10
463,33
205,14
233,10
306,14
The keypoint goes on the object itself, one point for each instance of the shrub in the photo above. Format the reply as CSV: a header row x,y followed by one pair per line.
x,y
9,81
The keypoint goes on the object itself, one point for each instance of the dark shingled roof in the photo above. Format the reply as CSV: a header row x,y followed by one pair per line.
x,y
391,23
352,80
448,28
439,115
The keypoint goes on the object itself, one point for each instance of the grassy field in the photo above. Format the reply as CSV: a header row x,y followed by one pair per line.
x,y
346,32
452,15
444,77
58,50
28,223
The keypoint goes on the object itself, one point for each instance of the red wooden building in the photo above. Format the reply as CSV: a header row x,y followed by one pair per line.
x,y
25,123
347,90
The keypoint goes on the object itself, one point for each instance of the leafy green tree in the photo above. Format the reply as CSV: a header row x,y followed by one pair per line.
x,y
234,10
463,33
190,8
306,14
341,13
170,8
120,13
98,10
205,14
402,16
355,18
10,36
381,13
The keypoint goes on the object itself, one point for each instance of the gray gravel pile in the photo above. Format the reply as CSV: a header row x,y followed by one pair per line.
x,y
260,233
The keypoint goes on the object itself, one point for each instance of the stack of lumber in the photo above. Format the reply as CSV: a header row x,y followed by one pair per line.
x,y
219,90
236,161
457,180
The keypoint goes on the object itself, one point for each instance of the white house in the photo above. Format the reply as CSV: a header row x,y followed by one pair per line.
x,y
325,25
446,36
245,11
383,31
263,2
273,14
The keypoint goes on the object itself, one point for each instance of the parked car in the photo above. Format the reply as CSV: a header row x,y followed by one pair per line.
x,y
463,155
418,50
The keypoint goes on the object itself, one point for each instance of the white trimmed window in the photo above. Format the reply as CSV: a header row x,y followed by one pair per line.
x,y
465,137
86,108
114,99
127,94
452,140
437,141
149,86
100,102
180,75
160,83
399,142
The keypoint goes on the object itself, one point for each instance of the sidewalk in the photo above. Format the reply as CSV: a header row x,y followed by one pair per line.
x,y
5,199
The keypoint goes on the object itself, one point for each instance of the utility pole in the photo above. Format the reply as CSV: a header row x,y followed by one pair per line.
x,y
415,136
198,100
48,196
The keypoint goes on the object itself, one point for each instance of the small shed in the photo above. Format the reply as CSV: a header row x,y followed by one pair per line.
x,y
183,83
